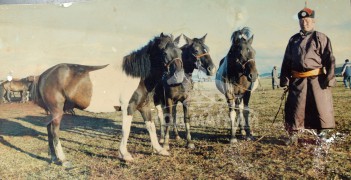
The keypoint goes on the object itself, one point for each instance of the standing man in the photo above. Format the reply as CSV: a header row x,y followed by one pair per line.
x,y
308,73
275,80
346,72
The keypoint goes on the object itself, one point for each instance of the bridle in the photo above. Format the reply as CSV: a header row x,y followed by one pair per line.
x,y
167,65
243,65
198,57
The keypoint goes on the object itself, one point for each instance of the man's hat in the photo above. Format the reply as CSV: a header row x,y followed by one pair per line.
x,y
306,12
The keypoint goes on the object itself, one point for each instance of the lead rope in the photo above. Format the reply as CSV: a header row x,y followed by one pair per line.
x,y
282,98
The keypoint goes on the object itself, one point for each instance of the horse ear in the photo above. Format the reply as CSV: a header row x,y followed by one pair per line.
x,y
203,38
162,35
176,41
251,39
187,40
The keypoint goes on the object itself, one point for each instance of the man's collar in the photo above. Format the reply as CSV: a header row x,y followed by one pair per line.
x,y
303,33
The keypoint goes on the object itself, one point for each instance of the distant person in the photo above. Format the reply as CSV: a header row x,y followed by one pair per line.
x,y
275,79
346,72
308,73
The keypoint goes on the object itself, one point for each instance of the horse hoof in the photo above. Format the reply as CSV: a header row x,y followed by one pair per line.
x,y
233,140
191,146
127,157
163,152
166,147
67,164
178,138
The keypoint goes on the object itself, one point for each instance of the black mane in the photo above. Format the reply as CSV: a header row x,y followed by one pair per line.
x,y
241,33
137,63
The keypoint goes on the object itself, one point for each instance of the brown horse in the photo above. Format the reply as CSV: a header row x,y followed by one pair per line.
x,y
236,78
59,89
22,86
195,55
67,86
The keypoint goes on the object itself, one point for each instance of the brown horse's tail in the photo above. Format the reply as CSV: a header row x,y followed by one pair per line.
x,y
34,91
84,68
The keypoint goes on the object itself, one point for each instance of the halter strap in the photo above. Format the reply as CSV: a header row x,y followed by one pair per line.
x,y
172,61
243,65
201,55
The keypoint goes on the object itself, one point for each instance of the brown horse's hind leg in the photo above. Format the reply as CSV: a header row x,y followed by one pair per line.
x,y
57,155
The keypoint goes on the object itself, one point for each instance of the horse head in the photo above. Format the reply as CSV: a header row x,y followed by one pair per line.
x,y
196,55
172,56
243,54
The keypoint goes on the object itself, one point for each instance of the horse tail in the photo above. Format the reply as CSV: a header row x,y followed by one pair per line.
x,y
84,68
34,91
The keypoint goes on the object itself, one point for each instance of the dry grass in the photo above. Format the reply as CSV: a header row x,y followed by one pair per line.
x,y
91,142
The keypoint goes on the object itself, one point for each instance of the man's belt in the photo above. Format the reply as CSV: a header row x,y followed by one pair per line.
x,y
314,72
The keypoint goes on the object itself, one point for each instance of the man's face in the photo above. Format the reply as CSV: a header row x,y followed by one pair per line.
x,y
307,24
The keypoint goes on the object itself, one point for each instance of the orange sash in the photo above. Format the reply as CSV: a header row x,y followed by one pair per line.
x,y
314,72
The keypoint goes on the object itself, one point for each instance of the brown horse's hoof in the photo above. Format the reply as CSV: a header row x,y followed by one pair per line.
x,y
126,157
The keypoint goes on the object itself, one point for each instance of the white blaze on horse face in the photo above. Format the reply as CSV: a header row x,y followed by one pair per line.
x,y
111,86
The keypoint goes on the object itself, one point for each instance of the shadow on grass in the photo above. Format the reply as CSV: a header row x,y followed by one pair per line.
x,y
9,128
99,128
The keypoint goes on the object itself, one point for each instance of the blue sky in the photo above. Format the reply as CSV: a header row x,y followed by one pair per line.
x,y
36,37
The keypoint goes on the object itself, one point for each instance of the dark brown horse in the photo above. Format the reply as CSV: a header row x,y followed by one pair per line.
x,y
236,79
67,86
195,55
22,86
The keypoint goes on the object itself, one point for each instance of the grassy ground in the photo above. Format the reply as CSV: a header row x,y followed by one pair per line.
x,y
91,142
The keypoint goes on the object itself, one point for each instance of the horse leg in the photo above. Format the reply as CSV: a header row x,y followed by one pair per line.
x,y
190,144
168,119
127,122
239,111
8,92
174,117
247,124
53,128
150,126
232,116
247,128
162,122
